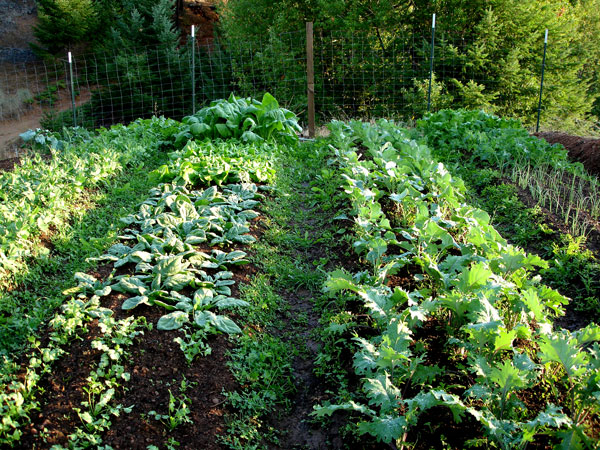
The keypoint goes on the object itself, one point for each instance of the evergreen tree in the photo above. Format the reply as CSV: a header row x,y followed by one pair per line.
x,y
62,24
488,52
143,69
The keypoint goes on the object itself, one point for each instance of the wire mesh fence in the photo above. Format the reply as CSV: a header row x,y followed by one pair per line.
x,y
357,75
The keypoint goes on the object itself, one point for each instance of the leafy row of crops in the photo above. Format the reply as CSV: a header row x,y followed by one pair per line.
x,y
443,323
175,254
39,196
501,164
478,295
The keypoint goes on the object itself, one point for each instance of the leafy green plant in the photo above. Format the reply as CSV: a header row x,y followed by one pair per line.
x,y
246,119
49,96
487,151
193,344
178,412
466,276
38,195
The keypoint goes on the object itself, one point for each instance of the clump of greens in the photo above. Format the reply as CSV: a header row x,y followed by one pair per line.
x,y
480,294
39,195
492,140
246,119
218,163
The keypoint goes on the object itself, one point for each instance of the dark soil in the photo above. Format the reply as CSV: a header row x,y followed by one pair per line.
x,y
556,222
583,149
300,433
158,366
297,427
63,391
8,165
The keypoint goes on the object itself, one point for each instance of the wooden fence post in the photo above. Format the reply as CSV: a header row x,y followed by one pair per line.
x,y
310,79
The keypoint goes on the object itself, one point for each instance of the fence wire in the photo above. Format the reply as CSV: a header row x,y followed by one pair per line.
x,y
357,75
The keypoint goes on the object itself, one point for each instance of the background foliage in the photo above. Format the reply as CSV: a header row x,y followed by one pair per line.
x,y
371,58
491,50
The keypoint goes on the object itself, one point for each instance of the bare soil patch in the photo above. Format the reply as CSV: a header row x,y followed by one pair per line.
x,y
10,142
586,150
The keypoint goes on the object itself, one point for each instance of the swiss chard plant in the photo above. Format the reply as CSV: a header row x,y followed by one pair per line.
x,y
246,119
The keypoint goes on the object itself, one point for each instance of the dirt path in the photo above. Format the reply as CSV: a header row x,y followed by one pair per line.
x,y
307,245
299,432
11,129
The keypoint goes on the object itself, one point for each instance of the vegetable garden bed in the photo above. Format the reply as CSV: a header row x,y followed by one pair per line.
x,y
268,293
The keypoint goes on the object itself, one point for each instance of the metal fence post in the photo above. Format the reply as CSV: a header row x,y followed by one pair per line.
x,y
537,126
431,63
310,79
193,69
72,89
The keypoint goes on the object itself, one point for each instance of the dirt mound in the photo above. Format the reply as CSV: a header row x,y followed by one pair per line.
x,y
16,24
582,149
203,15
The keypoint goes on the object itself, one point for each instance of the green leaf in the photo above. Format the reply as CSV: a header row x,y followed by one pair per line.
x,y
223,130
531,299
249,136
507,377
225,324
178,281
104,399
339,280
172,321
474,277
562,350
589,334
382,392
132,302
377,301
377,248
321,411
229,302
269,103
504,340
131,285
85,278
221,323
199,129
386,429
86,417
570,440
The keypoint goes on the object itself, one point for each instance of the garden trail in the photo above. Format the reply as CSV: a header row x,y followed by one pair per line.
x,y
298,432
11,129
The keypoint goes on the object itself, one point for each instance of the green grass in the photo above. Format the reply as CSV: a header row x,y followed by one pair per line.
x,y
298,231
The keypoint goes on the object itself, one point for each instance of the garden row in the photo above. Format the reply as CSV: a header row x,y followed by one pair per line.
x,y
537,197
175,255
39,196
439,333
452,325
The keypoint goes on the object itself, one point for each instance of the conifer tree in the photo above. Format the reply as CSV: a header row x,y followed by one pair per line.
x,y
62,24
142,53
493,51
